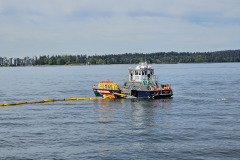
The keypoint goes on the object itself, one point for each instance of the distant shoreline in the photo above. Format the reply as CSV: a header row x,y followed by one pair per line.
x,y
107,64
227,56
129,58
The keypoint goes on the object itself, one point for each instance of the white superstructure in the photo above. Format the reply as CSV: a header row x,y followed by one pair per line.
x,y
143,73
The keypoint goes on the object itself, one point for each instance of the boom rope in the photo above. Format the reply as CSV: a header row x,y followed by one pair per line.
x,y
67,99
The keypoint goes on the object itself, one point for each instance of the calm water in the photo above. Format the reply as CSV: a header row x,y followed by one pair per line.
x,y
201,121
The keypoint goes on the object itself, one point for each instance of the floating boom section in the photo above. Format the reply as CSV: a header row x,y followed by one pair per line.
x,y
67,99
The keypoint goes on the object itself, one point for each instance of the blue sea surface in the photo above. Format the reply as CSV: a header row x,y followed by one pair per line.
x,y
201,121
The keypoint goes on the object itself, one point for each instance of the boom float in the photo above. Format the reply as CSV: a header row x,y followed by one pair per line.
x,y
67,99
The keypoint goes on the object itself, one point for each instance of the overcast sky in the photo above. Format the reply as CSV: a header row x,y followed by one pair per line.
x,y
57,27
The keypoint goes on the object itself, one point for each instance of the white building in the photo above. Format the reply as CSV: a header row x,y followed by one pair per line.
x,y
14,61
5,60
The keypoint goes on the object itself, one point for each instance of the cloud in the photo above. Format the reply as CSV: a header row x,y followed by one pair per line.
x,y
112,26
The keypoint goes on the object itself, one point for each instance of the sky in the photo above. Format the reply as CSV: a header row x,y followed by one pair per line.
x,y
64,27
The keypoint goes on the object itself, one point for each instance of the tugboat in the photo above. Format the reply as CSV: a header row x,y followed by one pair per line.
x,y
141,83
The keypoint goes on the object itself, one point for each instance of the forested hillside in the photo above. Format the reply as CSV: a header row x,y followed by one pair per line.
x,y
133,58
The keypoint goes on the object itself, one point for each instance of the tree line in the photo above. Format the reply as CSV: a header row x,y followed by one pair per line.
x,y
133,58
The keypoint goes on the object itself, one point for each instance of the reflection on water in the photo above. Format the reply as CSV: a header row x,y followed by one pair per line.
x,y
135,122
151,113
135,112
164,103
140,108
108,108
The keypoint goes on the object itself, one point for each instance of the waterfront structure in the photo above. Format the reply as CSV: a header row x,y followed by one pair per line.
x,y
4,61
27,61
1,61
10,61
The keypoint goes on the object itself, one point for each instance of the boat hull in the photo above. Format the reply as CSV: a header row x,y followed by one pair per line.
x,y
105,93
134,93
151,94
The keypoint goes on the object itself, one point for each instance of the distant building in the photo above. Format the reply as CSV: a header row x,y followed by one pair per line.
x,y
10,60
14,61
20,62
17,61
1,61
35,58
27,61
5,60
